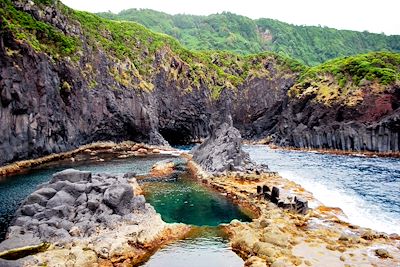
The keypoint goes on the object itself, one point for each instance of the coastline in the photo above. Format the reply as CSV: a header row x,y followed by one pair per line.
x,y
353,153
122,150
293,239
282,238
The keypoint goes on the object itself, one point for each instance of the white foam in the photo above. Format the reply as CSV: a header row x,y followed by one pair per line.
x,y
358,212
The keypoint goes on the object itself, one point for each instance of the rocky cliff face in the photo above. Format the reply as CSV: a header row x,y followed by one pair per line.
x,y
50,105
52,99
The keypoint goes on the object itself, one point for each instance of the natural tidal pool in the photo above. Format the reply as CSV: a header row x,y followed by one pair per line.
x,y
366,189
186,201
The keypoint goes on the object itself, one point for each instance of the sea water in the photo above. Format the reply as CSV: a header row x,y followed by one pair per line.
x,y
366,189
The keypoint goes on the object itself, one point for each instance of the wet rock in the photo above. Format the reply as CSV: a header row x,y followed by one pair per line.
x,y
275,195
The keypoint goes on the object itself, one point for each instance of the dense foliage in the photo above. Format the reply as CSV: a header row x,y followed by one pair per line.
x,y
39,35
226,31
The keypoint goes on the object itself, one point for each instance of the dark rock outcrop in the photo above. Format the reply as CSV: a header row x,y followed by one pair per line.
x,y
369,126
222,150
74,204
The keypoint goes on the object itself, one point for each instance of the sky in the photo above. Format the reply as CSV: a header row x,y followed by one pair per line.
x,y
371,15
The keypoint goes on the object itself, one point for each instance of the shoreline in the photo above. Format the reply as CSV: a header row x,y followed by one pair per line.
x,y
291,239
119,150
22,166
338,152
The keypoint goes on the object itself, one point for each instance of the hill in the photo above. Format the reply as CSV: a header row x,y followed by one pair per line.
x,y
226,31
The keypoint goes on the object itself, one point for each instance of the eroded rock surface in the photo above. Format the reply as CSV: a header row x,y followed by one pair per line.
x,y
89,220
76,204
222,150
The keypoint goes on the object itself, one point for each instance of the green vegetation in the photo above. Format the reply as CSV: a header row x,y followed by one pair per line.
x,y
226,31
344,79
39,35
128,40
137,54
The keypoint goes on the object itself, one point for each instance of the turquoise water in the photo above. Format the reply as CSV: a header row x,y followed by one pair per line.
x,y
14,189
188,202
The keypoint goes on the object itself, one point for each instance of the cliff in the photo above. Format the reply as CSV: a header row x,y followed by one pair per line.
x,y
348,104
69,78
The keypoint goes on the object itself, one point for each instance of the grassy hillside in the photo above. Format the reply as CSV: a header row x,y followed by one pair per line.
x,y
347,80
308,44
137,53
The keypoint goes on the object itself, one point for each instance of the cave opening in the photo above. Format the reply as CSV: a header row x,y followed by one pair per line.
x,y
179,137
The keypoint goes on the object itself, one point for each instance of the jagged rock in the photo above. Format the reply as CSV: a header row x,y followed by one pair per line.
x,y
32,209
59,199
222,150
382,253
72,176
36,198
118,197
72,212
47,192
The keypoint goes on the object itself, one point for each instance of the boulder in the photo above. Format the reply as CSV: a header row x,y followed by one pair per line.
x,y
32,209
72,176
82,205
118,197
59,199
47,192
36,198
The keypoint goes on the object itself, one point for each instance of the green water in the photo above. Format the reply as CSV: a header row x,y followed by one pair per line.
x,y
204,248
188,202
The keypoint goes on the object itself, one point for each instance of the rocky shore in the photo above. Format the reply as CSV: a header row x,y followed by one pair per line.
x,y
285,231
85,219
91,152
281,237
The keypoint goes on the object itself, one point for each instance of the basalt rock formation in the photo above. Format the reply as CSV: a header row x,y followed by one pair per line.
x,y
222,150
69,78
76,204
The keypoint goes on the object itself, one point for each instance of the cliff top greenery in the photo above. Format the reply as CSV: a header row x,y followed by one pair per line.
x,y
348,79
138,49
137,54
310,45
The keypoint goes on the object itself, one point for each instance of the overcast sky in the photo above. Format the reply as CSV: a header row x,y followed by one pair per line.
x,y
371,15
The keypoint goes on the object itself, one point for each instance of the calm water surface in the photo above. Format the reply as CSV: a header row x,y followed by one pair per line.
x,y
366,189
206,250
188,202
